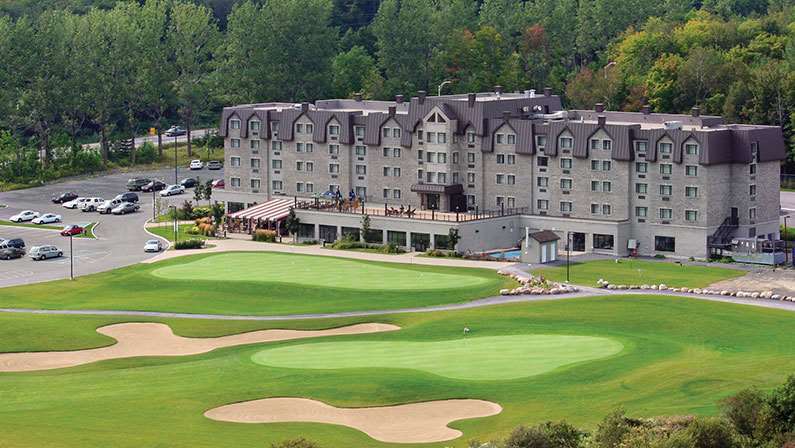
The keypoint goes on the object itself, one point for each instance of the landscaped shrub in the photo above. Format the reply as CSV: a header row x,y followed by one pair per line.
x,y
442,253
265,236
201,212
391,248
189,244
347,243
194,230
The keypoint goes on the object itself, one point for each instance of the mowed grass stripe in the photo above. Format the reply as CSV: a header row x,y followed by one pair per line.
x,y
320,271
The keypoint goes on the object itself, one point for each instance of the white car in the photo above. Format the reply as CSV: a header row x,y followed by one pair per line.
x,y
47,218
27,215
75,203
196,164
172,190
91,204
44,252
153,246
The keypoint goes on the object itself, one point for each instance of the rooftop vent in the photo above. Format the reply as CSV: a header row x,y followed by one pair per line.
x,y
471,98
547,91
399,99
421,95
599,107
498,89
392,111
695,111
304,107
601,119
646,109
672,125
357,97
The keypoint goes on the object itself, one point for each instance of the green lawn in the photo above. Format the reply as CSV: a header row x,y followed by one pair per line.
x,y
638,272
89,232
261,283
680,356
4,222
167,232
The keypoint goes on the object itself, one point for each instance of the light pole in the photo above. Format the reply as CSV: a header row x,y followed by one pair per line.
x,y
786,245
154,210
176,231
71,259
568,254
444,83
176,180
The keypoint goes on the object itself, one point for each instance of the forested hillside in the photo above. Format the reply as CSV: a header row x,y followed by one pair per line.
x,y
104,69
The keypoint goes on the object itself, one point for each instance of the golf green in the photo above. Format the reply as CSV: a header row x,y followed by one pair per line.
x,y
468,358
320,271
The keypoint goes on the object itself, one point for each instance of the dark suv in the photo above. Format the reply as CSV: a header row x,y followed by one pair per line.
x,y
135,184
127,197
15,242
155,185
9,252
64,197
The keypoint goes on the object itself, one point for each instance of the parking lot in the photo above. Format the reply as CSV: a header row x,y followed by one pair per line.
x,y
120,239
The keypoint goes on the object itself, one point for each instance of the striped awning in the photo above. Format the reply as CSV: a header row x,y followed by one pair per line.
x,y
273,210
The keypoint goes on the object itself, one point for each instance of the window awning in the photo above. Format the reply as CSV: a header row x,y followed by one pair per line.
x,y
272,210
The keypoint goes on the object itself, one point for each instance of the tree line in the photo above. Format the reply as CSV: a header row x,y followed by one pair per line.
x,y
79,69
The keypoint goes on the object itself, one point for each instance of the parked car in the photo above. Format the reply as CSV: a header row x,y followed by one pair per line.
x,y
108,206
44,252
153,246
9,252
174,131
47,218
27,215
154,185
125,207
214,165
72,230
127,197
64,197
19,243
172,190
74,203
91,204
188,182
218,183
136,183
196,164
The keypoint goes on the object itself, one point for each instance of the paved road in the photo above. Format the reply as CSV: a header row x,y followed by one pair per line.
x,y
120,238
196,133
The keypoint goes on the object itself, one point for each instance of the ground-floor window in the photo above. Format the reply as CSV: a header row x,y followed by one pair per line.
x,y
351,233
306,230
602,241
665,243
420,241
441,241
396,238
328,233
233,207
374,236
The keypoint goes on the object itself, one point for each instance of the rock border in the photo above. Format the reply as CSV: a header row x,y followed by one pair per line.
x,y
765,295
532,285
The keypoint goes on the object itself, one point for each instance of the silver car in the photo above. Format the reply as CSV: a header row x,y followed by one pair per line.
x,y
44,252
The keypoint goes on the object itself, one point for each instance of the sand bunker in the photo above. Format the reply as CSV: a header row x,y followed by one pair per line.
x,y
153,339
409,423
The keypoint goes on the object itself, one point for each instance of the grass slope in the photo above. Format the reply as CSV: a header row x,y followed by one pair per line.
x,y
680,357
7,223
638,272
349,286
167,232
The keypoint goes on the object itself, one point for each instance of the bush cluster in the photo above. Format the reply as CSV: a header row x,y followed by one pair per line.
x,y
204,226
189,244
442,253
348,243
265,236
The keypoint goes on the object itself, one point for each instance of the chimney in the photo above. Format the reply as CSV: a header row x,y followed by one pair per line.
x,y
547,91
646,109
506,115
599,108
392,110
304,107
399,99
357,97
601,119
421,95
695,111
498,89
471,97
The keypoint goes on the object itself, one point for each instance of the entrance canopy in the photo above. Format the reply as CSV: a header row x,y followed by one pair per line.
x,y
272,210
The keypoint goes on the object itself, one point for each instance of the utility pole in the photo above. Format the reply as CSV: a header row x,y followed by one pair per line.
x,y
71,259
176,180
786,244
568,254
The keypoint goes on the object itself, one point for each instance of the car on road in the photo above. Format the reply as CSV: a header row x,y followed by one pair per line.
x,y
188,182
27,215
125,207
108,206
64,197
214,165
172,190
136,183
44,252
74,203
9,252
127,197
91,204
218,184
153,246
155,185
47,218
72,230
174,131
19,243
196,164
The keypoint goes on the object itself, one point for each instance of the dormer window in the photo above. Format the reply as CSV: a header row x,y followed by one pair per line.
x,y
641,147
299,128
334,130
419,134
470,137
359,131
541,141
691,149
310,128
500,138
386,132
665,148
396,132
607,145
511,138
254,125
275,127
566,142
235,124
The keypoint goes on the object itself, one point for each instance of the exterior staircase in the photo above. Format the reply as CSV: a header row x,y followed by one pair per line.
x,y
722,238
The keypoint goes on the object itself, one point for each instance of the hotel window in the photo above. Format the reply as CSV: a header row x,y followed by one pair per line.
x,y
276,146
310,128
299,187
441,157
333,188
595,165
456,156
420,176
641,147
511,202
386,193
607,186
691,192
442,137
511,138
235,143
664,243
299,166
754,152
276,164
691,170
500,138
396,194
310,147
396,134
752,190
253,144
275,127
511,179
542,161
595,209
501,179
395,152
387,152
666,168
565,207
255,163
641,167
235,182
500,159
542,204
500,201
360,151
396,172
752,169
641,212
603,242
455,178
333,149
470,157
665,190
430,137
235,124
420,153
607,209
299,147
386,134
541,141
595,185
691,149
542,182
565,164
470,178
234,161
470,199
299,128
430,157
361,192
666,213
596,143
510,159
607,145
333,168
470,137
277,185
358,131
566,143
441,178
752,213
310,187
665,148
334,129
387,170
691,215
419,134
641,188
607,165
361,169
565,184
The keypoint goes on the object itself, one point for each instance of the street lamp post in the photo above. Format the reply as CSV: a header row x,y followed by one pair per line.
x,y
568,254
176,232
71,259
154,209
786,246
176,180
444,83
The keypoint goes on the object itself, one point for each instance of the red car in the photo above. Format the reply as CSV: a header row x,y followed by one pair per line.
x,y
218,183
72,230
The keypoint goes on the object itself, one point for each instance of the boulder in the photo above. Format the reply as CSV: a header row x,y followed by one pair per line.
x,y
611,286
755,295
505,292
654,287
775,297
621,287
724,293
662,287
